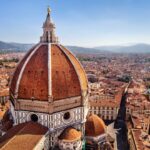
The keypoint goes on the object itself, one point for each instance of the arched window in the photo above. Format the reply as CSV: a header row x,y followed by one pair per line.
x,y
51,36
47,36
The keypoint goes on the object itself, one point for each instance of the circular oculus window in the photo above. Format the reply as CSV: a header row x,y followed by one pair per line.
x,y
34,118
67,117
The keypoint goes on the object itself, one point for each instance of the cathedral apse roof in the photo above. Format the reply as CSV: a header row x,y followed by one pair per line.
x,y
70,134
94,126
23,136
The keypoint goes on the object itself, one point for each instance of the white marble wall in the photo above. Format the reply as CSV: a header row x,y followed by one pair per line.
x,y
72,145
54,136
25,116
55,122
43,144
52,121
76,116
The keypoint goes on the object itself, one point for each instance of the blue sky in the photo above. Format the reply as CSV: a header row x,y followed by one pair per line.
x,y
78,22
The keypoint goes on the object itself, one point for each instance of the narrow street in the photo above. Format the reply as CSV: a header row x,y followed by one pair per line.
x,y
122,141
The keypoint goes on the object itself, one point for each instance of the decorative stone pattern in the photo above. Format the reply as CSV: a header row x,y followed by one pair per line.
x,y
98,139
43,144
68,145
52,121
54,136
67,103
32,105
25,116
76,116
55,122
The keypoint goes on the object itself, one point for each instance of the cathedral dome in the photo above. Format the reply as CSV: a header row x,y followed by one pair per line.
x,y
48,71
94,126
70,134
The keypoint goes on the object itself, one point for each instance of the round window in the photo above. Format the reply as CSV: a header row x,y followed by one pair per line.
x,y
34,117
67,116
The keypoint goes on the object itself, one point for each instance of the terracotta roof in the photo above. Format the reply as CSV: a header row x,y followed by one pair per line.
x,y
3,113
94,126
17,71
22,137
65,81
80,71
138,142
4,92
4,109
67,74
70,134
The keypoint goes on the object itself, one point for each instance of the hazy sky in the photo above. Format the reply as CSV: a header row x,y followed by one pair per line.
x,y
78,22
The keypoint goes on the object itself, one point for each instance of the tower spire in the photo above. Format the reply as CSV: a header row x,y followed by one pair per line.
x,y
49,29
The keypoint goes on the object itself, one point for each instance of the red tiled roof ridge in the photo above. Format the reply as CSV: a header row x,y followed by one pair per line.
x,y
15,127
17,131
15,135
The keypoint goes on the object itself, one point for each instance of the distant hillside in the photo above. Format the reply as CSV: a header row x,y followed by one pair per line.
x,y
11,47
83,50
137,48
6,46
15,47
23,47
